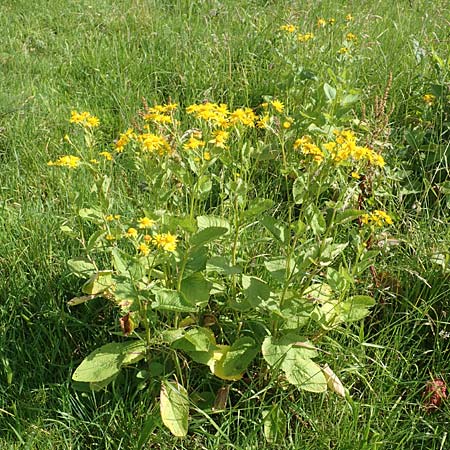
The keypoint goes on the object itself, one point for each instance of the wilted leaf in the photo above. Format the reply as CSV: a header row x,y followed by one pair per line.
x,y
333,382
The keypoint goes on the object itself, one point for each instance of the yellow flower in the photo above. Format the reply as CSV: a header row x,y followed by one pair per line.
x,y
109,218
278,106
263,122
351,37
356,175
166,241
110,237
305,37
132,232
207,156
85,119
124,139
69,161
220,137
106,155
377,218
143,249
331,21
145,222
147,238
152,142
348,17
288,122
289,28
343,50
94,161
193,143
321,23
244,116
429,99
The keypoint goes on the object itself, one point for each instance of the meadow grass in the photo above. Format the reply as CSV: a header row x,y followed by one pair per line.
x,y
104,57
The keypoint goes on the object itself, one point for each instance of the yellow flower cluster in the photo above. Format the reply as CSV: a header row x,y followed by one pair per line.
x,y
166,241
69,161
304,37
154,143
377,218
213,113
343,149
124,139
85,119
289,28
160,113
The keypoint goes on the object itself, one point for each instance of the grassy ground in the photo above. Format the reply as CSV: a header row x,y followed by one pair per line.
x,y
105,57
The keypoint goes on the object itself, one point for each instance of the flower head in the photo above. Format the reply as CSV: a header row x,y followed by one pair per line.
x,y
69,161
145,222
166,241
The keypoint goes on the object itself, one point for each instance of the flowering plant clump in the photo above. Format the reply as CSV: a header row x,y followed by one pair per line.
x,y
207,244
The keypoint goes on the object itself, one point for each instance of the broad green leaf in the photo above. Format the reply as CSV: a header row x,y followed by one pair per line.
x,y
195,289
330,92
289,346
126,296
356,308
255,290
133,352
199,343
295,313
347,216
331,252
278,230
222,264
236,360
204,222
207,235
304,373
274,421
300,189
98,283
278,268
95,240
204,185
257,207
315,220
174,406
168,300
101,364
196,260
81,267
170,336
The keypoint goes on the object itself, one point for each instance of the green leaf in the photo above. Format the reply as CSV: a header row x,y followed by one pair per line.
x,y
95,240
196,260
204,222
275,422
304,373
207,235
347,216
238,357
98,283
174,406
300,189
204,185
275,351
278,268
277,230
222,264
199,343
314,218
168,300
259,206
356,308
330,92
255,290
104,363
195,289
81,267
